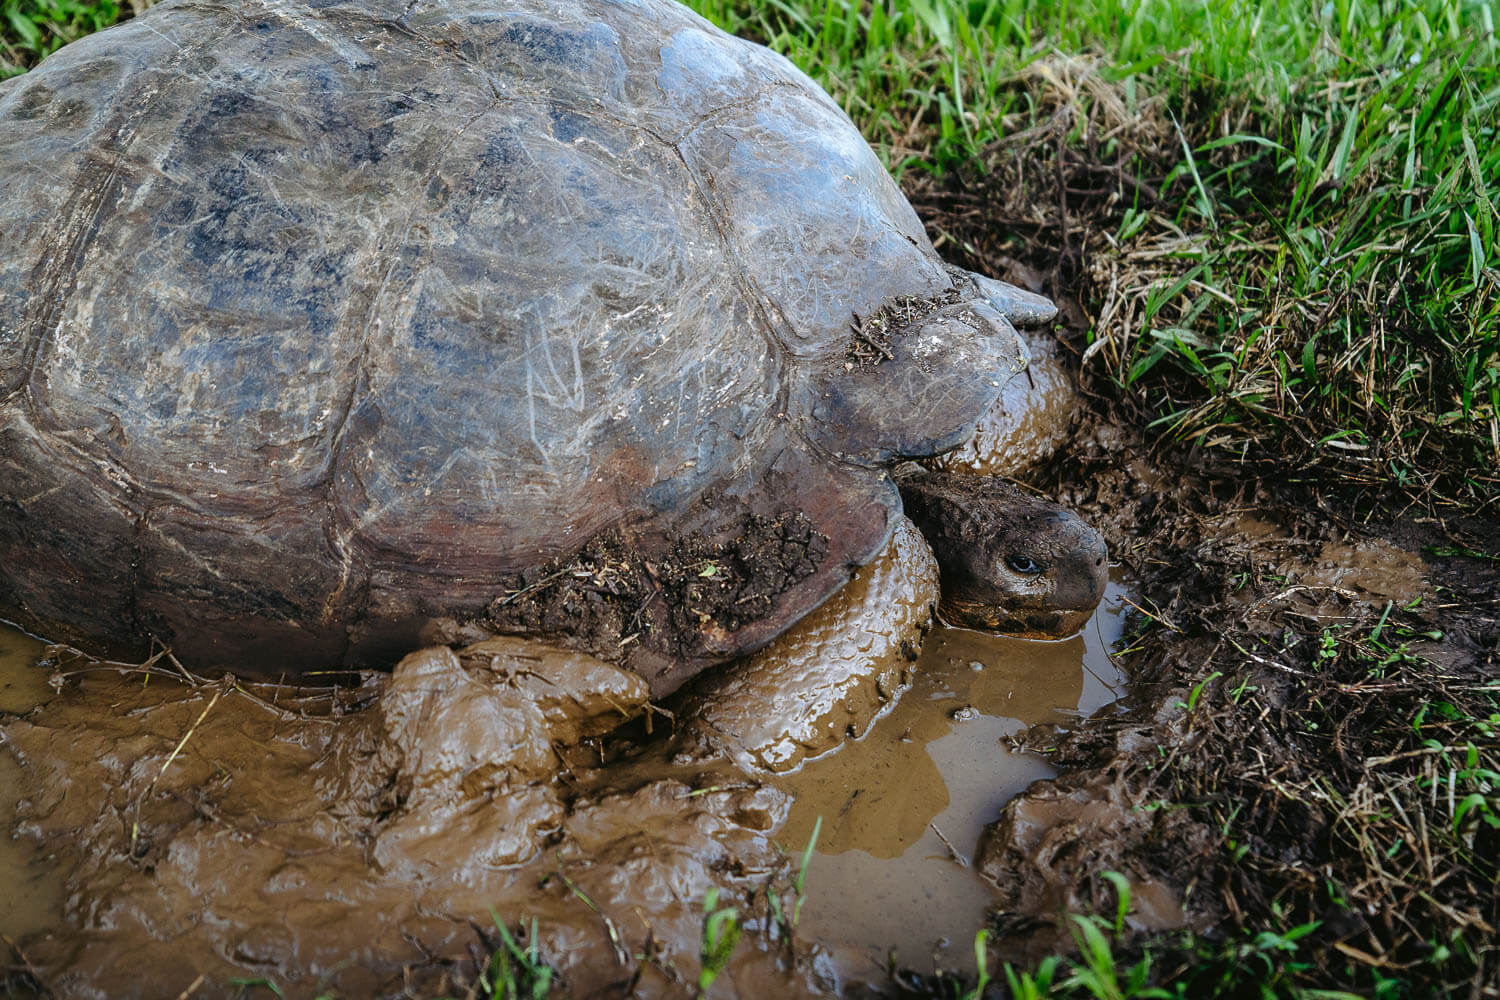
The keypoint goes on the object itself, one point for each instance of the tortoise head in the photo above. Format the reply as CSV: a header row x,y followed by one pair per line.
x,y
1010,562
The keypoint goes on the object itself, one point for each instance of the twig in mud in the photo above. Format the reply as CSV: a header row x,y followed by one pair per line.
x,y
710,789
1159,618
189,677
534,587
191,987
284,714
621,955
36,977
481,962
651,709
872,334
951,849
1273,664
135,825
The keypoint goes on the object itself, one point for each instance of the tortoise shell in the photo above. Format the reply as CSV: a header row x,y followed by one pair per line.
x,y
324,322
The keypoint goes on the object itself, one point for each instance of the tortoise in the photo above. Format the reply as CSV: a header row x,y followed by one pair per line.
x,y
327,326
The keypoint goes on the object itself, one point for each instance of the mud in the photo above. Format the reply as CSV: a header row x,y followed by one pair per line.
x,y
688,595
350,839
1289,648
904,808
1033,854
1355,562
828,679
33,884
354,837
870,340
22,683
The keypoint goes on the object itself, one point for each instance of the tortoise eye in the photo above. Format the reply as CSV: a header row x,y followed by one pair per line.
x,y
1023,564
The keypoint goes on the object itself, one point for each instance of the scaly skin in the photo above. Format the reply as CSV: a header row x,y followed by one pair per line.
x,y
1010,562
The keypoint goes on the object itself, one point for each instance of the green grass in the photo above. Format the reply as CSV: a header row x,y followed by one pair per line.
x,y
513,972
1297,256
32,29
721,934
1281,220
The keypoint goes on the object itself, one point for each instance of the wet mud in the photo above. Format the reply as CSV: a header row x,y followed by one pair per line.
x,y
1283,672
357,838
903,810
34,891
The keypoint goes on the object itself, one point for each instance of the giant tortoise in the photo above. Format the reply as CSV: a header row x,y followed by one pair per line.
x,y
327,325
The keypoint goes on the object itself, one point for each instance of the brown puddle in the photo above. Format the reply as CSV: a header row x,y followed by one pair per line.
x,y
33,885
881,878
356,839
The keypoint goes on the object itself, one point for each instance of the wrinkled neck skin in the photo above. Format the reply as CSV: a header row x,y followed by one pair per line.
x,y
1010,562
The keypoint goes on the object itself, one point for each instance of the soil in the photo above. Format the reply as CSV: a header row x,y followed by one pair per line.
x,y
682,599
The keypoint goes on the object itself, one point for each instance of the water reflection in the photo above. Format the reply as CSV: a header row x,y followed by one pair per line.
x,y
898,805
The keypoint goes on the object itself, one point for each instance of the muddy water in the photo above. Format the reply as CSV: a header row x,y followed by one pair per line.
x,y
936,768
351,838
32,885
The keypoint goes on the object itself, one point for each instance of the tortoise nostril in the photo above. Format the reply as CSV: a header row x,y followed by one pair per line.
x,y
1099,561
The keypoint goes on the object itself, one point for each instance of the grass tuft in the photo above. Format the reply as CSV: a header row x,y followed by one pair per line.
x,y
33,29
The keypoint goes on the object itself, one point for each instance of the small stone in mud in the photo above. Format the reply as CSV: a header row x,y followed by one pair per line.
x,y
964,713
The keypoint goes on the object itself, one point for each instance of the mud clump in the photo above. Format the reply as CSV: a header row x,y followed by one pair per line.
x,y
870,340
230,831
688,596
1035,852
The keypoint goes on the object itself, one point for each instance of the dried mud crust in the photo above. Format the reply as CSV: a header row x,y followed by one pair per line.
x,y
684,598
870,336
